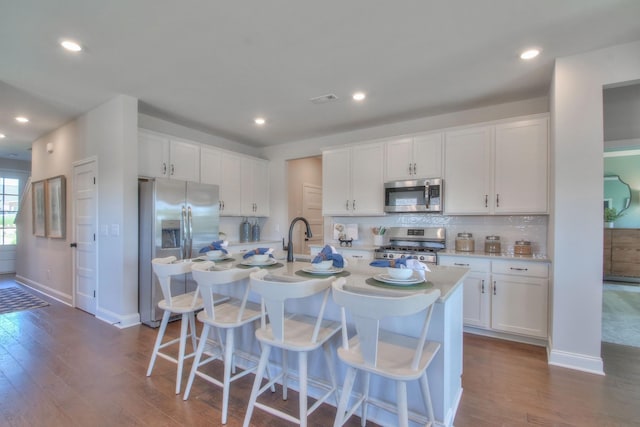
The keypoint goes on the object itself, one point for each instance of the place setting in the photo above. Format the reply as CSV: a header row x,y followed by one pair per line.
x,y
327,263
216,251
259,257
406,273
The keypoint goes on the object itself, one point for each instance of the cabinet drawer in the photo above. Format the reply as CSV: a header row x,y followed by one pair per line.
x,y
518,268
474,264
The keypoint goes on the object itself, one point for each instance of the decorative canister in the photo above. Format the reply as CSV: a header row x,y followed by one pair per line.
x,y
465,242
522,247
492,244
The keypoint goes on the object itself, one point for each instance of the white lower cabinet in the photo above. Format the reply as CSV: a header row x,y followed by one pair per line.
x,y
505,295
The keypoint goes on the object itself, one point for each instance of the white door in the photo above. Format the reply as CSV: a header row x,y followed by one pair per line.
x,y
85,255
312,211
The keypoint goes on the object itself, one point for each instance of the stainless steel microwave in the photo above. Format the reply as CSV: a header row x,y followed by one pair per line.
x,y
415,195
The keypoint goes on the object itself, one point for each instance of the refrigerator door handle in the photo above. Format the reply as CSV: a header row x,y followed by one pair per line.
x,y
185,236
190,235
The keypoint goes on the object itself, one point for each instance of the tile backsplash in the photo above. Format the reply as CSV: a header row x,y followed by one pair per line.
x,y
510,228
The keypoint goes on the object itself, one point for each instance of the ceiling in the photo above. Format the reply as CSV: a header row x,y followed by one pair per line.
x,y
215,66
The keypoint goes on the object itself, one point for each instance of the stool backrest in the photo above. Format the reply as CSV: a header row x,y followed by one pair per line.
x,y
275,291
166,267
209,279
367,311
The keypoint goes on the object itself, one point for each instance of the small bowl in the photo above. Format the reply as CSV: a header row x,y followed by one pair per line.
x,y
215,254
400,273
322,265
260,257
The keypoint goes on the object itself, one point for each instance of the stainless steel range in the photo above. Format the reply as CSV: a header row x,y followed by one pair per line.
x,y
421,242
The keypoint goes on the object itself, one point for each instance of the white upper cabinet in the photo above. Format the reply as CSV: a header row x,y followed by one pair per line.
x,y
467,163
243,181
521,158
255,187
418,156
352,180
497,169
167,157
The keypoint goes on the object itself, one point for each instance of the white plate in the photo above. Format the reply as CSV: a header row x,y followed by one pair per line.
x,y
249,262
413,280
331,270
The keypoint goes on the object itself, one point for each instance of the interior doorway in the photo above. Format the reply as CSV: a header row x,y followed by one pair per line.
x,y
304,182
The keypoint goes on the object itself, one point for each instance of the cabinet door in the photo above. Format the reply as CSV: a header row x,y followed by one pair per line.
x,y
153,155
427,155
399,159
477,301
255,187
336,182
467,184
606,255
367,180
185,161
625,253
521,152
210,161
230,184
519,305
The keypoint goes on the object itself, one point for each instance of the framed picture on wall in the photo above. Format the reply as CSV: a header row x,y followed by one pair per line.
x,y
55,211
39,209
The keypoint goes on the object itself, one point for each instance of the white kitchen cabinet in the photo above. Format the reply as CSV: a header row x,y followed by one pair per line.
x,y
504,295
477,290
414,157
352,180
167,157
519,297
497,169
255,187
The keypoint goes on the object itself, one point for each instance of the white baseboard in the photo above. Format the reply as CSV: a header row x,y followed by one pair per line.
x,y
118,320
577,361
45,290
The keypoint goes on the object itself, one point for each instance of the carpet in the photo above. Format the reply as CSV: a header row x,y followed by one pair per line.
x,y
15,299
621,315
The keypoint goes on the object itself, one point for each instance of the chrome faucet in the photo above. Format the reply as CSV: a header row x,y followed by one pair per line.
x,y
290,245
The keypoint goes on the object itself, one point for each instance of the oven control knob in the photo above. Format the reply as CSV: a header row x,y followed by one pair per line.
x,y
421,257
390,255
402,256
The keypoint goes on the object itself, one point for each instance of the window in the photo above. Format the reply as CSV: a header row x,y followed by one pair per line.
x,y
10,198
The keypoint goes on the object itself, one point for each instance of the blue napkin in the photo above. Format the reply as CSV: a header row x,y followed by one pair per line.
x,y
259,251
390,262
327,254
214,246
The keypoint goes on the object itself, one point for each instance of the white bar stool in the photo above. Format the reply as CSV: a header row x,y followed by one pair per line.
x,y
301,333
227,316
387,354
185,304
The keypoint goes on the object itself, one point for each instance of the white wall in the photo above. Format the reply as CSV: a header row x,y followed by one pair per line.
x,y
576,104
108,133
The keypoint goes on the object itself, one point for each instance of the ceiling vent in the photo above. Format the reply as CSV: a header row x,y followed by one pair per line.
x,y
324,99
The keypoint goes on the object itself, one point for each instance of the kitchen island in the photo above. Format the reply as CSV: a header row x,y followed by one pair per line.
x,y
446,328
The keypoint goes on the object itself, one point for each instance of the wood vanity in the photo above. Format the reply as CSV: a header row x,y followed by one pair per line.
x,y
621,258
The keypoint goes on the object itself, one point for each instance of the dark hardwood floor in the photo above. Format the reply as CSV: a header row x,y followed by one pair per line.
x,y
60,366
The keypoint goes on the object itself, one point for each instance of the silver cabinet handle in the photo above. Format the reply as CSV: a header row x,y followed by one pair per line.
x,y
347,205
497,200
486,200
353,204
164,168
461,264
173,169
518,269
414,169
482,287
409,168
494,287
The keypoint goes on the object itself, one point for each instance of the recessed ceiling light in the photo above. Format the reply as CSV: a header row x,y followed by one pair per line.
x,y
2,135
359,96
530,54
259,121
22,119
71,46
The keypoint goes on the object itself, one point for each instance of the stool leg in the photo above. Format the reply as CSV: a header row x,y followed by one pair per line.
x,y
196,359
257,382
426,394
344,396
156,347
302,397
192,326
326,347
285,374
401,397
228,364
184,323
365,402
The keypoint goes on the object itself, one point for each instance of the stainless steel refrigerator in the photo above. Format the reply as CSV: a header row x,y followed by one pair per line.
x,y
175,218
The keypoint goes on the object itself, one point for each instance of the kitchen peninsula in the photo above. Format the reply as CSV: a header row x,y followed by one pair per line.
x,y
446,328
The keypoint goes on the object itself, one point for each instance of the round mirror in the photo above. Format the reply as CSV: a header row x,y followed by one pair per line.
x,y
617,193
